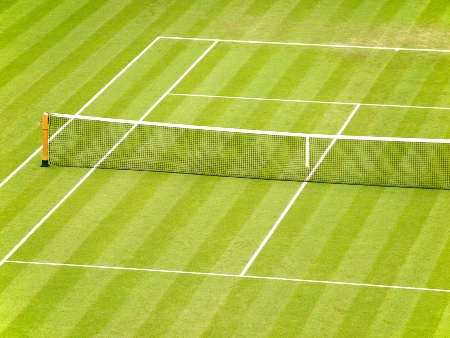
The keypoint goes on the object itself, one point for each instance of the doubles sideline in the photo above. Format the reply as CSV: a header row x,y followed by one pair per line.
x,y
87,104
103,158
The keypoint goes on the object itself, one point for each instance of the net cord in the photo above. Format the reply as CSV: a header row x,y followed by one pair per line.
x,y
252,131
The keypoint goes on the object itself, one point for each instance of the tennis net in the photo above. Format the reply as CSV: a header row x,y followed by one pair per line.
x,y
83,141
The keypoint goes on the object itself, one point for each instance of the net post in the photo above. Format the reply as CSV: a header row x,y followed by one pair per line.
x,y
307,154
44,123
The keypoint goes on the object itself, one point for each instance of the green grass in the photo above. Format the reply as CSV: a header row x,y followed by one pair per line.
x,y
57,55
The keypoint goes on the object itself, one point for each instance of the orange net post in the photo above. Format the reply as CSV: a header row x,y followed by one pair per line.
x,y
44,123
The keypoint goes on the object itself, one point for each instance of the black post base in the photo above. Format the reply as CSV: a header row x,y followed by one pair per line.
x,y
44,163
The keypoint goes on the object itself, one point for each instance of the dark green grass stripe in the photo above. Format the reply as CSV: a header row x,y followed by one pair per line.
x,y
435,85
21,62
439,277
22,103
40,305
9,275
286,84
111,224
344,12
294,74
24,23
124,56
344,233
103,306
214,246
65,66
433,12
388,79
146,79
248,71
6,4
301,11
175,219
425,319
238,301
208,17
403,235
388,11
297,311
363,311
201,71
270,262
347,68
48,231
160,320
12,206
259,7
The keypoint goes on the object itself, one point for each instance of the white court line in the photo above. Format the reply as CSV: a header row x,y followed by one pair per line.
x,y
291,203
297,280
87,104
309,101
101,160
327,45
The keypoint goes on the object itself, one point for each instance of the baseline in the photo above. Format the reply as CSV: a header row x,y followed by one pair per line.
x,y
292,201
37,151
304,44
212,274
103,158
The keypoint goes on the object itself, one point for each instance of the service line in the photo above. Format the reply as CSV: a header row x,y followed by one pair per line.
x,y
249,98
179,272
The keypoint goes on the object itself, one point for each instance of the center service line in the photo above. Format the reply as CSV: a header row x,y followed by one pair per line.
x,y
291,203
103,158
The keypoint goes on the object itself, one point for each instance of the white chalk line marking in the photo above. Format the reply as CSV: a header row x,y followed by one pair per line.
x,y
297,194
179,272
102,159
303,44
87,104
309,101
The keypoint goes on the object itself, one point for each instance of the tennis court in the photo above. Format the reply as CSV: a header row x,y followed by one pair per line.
x,y
176,254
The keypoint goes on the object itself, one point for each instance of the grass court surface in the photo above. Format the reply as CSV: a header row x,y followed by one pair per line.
x,y
124,253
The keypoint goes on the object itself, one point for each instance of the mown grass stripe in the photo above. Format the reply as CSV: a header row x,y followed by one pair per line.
x,y
344,12
7,4
85,105
52,290
433,12
417,207
86,176
21,62
23,23
179,293
345,231
104,304
388,11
